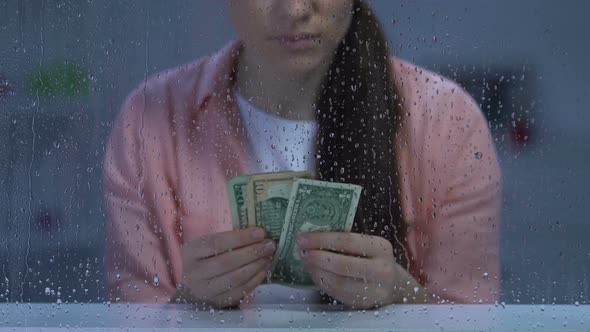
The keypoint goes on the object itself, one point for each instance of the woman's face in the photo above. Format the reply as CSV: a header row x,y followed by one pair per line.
x,y
292,36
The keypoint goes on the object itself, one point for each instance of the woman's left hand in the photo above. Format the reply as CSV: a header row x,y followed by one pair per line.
x,y
355,269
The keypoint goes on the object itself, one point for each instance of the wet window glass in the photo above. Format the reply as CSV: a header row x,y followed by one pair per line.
x,y
293,163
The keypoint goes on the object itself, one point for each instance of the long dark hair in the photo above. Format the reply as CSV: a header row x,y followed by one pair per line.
x,y
359,119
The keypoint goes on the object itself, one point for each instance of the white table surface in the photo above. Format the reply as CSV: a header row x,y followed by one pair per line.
x,y
292,317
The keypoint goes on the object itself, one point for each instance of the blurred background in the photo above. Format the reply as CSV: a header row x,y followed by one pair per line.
x,y
66,67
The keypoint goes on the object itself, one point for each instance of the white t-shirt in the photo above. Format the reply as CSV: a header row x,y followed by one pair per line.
x,y
277,144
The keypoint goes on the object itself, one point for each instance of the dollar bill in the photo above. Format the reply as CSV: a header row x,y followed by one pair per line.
x,y
238,199
314,206
268,197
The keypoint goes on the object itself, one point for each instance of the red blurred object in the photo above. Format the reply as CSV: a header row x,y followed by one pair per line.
x,y
48,219
522,133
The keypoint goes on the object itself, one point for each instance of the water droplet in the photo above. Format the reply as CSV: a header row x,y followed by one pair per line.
x,y
478,155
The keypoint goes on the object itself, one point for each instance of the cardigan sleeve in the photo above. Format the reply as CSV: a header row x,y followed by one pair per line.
x,y
459,235
140,238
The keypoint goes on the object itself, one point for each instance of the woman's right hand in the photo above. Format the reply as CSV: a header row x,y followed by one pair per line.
x,y
220,269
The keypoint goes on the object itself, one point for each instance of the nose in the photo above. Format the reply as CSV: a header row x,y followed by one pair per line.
x,y
295,10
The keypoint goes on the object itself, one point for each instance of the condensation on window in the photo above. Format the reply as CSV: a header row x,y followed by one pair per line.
x,y
455,136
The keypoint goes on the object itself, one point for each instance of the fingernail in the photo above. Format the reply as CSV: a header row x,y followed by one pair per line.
x,y
269,246
301,240
302,253
258,233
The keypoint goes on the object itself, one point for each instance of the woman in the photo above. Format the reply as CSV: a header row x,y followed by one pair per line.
x,y
427,224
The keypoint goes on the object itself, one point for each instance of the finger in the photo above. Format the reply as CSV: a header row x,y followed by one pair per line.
x,y
348,243
341,288
214,244
352,292
233,296
224,263
346,266
238,277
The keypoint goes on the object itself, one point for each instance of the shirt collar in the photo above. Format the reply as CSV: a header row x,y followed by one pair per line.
x,y
218,72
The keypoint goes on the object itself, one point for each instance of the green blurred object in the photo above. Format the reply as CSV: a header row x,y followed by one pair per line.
x,y
62,79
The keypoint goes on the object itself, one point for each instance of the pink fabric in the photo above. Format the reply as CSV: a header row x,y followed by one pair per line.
x,y
178,139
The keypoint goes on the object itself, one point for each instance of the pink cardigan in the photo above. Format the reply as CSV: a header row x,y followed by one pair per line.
x,y
178,139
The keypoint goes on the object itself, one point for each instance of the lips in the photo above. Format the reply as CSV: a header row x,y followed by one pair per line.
x,y
295,37
299,41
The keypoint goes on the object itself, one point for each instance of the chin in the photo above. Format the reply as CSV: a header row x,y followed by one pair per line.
x,y
301,65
